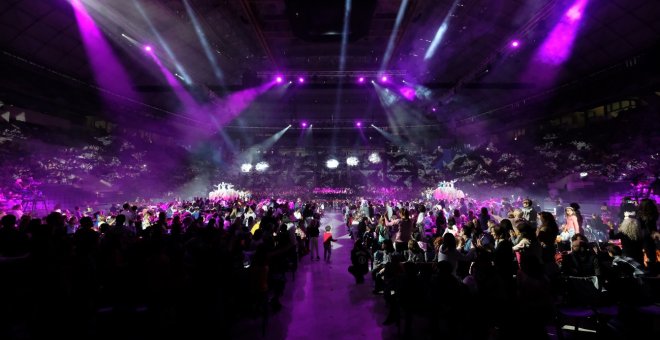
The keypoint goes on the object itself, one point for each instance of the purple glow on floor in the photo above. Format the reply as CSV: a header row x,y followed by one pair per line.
x,y
558,45
108,72
325,291
407,92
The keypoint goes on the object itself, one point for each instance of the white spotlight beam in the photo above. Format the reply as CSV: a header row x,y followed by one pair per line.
x,y
250,154
344,35
205,45
440,34
162,43
395,31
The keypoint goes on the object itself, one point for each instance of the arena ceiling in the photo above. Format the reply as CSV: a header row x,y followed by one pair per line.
x,y
472,71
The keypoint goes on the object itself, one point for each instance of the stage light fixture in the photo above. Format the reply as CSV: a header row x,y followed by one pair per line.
x,y
303,124
352,161
374,158
301,80
148,48
515,44
361,80
261,166
358,124
279,79
383,79
246,167
584,174
332,163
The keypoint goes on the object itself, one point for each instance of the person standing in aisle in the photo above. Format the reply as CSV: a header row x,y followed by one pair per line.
x,y
313,233
327,245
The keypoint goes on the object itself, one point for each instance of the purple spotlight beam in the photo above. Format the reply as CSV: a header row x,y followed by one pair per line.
x,y
407,92
108,71
558,45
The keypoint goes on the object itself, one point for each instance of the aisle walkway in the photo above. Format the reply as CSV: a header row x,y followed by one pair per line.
x,y
323,301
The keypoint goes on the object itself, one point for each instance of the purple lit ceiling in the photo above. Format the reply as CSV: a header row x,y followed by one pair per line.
x,y
251,36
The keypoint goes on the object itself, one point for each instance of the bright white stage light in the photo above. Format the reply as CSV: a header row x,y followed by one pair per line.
x,y
332,163
352,161
584,174
246,167
374,157
261,166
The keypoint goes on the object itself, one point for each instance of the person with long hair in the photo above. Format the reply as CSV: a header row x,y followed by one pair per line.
x,y
440,223
547,233
631,236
